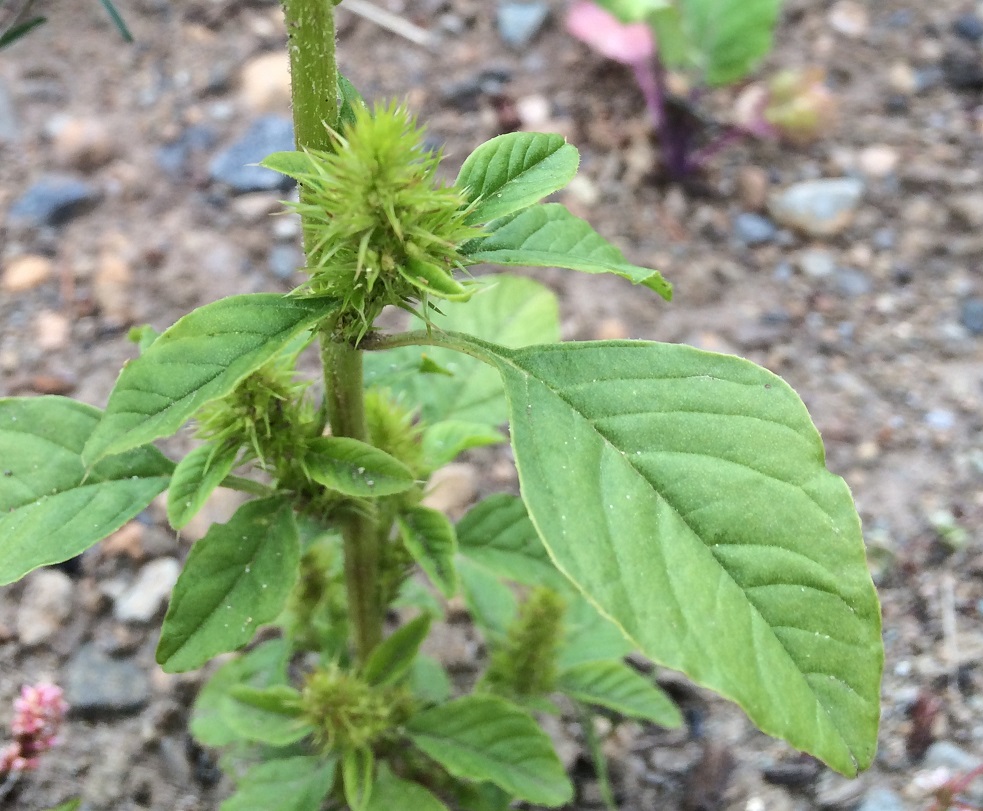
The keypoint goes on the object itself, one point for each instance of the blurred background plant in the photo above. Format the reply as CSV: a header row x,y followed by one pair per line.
x,y
16,20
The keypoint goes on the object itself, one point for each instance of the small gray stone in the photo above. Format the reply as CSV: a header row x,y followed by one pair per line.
x,y
817,207
940,419
44,606
519,22
175,157
851,282
881,799
236,165
753,229
53,200
969,27
971,315
98,685
284,261
969,208
946,755
141,601
817,263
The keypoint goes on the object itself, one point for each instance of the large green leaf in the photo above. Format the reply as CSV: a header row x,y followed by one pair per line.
x,y
390,793
290,784
513,171
51,507
487,739
195,478
236,578
616,686
547,235
686,494
722,39
201,358
509,310
356,468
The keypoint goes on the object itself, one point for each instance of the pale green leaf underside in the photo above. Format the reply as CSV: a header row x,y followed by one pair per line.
x,y
263,724
195,478
201,358
236,578
487,739
548,235
290,784
616,686
686,494
515,170
51,507
356,468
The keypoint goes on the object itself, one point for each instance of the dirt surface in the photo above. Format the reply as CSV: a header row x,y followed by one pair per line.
x,y
878,326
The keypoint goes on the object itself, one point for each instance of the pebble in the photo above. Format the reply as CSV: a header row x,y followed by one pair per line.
x,y
752,187
971,315
881,799
816,263
99,685
817,207
464,94
26,272
175,157
235,165
519,22
126,541
968,26
53,330
851,282
753,229
112,289
940,419
878,161
452,488
946,755
849,18
969,208
265,82
81,143
44,606
145,597
284,261
53,200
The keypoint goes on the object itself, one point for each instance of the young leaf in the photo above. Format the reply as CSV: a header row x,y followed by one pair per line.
x,y
288,784
51,507
394,656
615,685
351,100
512,311
428,680
356,468
429,537
390,793
201,358
357,766
513,171
699,515
269,715
68,805
548,235
490,602
487,739
445,441
236,578
195,478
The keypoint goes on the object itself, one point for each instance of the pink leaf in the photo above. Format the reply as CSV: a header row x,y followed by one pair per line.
x,y
628,44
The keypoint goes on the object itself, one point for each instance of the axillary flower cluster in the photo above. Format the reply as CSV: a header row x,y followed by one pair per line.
x,y
38,714
379,228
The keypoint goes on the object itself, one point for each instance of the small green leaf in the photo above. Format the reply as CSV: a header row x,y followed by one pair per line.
x,y
390,793
616,686
264,665
236,578
429,537
513,171
51,507
195,478
269,715
590,637
487,739
356,468
351,100
548,235
394,656
118,20
70,805
445,441
433,279
357,767
199,359
15,32
632,11
428,680
288,784
490,602
292,163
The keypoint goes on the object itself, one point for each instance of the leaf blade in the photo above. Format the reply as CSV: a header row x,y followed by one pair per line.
x,y
288,784
356,468
430,538
615,685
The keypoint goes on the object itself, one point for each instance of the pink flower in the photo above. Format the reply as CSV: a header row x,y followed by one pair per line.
x,y
38,713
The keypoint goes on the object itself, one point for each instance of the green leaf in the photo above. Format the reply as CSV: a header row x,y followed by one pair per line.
x,y
394,656
292,163
69,805
269,715
357,766
686,494
513,171
264,665
490,602
288,784
509,310
351,100
428,680
487,739
356,468
15,32
724,39
589,637
390,793
548,235
616,686
632,11
429,537
201,358
498,534
51,507
118,20
445,441
236,578
195,478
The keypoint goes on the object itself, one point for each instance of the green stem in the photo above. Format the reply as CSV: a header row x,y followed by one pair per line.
x,y
313,71
459,342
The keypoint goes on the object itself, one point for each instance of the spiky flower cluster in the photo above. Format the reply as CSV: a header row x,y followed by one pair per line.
x,y
38,713
379,228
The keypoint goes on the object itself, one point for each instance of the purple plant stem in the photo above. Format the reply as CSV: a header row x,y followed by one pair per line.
x,y
731,135
673,140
